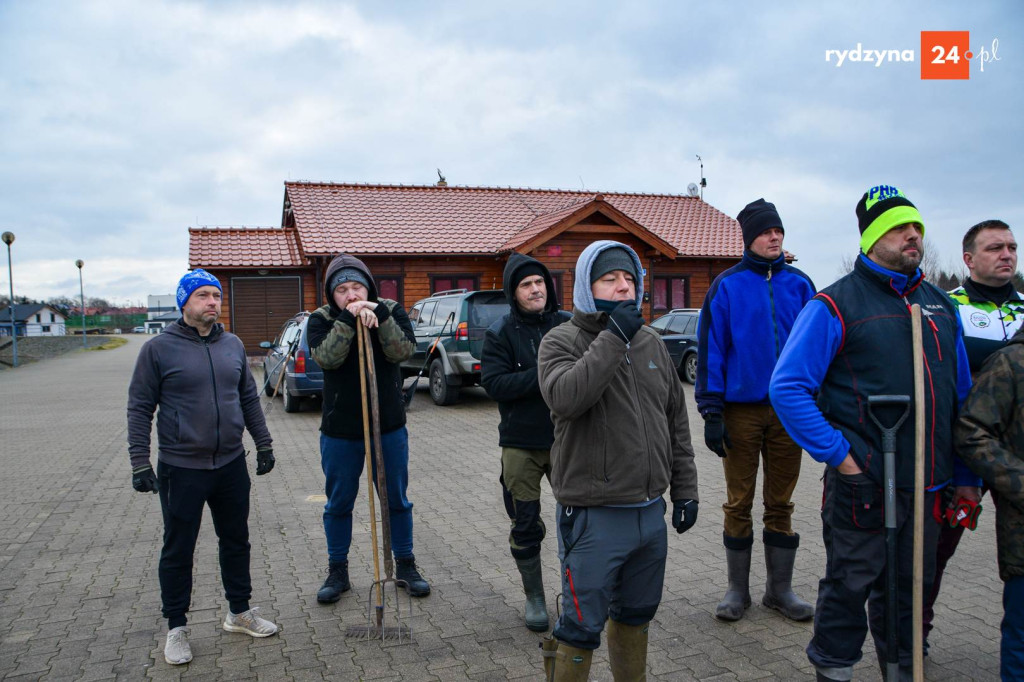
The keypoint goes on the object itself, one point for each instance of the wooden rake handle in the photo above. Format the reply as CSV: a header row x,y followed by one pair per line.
x,y
362,341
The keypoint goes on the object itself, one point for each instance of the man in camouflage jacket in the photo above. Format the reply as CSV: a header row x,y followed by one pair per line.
x,y
352,300
990,440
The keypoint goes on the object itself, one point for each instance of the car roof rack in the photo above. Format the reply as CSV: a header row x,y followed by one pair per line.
x,y
449,292
685,310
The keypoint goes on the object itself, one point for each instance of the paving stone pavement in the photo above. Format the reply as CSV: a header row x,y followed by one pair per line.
x,y
79,597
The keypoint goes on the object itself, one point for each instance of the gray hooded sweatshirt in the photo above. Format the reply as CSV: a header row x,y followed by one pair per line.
x,y
204,397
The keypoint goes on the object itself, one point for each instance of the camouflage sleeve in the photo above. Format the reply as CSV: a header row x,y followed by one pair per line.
x,y
330,340
984,423
397,339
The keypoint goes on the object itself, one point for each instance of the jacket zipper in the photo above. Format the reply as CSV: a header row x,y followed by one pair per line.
x,y
216,401
643,422
775,322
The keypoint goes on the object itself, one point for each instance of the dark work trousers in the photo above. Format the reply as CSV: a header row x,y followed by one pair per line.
x,y
1011,650
521,473
755,432
183,492
853,520
613,566
949,540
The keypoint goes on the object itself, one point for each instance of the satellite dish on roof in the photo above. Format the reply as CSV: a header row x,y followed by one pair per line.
x,y
692,189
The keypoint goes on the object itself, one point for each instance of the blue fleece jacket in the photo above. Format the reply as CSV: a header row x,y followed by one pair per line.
x,y
813,343
744,324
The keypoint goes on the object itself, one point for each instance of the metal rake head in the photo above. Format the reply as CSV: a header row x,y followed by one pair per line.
x,y
378,625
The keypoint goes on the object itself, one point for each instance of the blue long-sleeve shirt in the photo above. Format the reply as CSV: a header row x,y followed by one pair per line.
x,y
813,344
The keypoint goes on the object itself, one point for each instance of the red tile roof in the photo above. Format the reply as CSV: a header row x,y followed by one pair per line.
x,y
241,247
396,219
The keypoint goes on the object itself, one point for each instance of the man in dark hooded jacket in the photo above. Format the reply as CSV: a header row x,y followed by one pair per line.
x,y
352,300
525,434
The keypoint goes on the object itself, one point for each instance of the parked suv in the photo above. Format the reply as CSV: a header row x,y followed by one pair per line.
x,y
678,329
302,376
460,318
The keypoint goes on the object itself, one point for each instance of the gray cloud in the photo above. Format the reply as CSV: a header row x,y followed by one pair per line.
x,y
124,123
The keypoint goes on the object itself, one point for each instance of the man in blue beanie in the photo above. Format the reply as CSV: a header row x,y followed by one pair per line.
x,y
201,458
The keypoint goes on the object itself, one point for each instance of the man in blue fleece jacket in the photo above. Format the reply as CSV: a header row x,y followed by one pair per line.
x,y
744,324
853,341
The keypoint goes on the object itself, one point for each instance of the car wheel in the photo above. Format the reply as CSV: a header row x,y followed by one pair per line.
x,y
291,403
440,392
690,368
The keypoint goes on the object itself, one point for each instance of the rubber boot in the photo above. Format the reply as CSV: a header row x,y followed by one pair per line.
x,y
627,651
737,597
533,587
564,663
778,593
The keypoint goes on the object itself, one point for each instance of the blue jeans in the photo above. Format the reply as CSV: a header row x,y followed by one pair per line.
x,y
1011,656
342,461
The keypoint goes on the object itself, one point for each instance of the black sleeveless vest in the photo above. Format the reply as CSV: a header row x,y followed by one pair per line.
x,y
876,358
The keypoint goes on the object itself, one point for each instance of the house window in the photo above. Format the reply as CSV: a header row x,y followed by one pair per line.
x,y
390,286
449,282
46,329
39,318
52,318
668,293
557,277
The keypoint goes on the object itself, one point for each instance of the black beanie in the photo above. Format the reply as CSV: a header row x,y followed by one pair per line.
x,y
613,258
756,217
528,269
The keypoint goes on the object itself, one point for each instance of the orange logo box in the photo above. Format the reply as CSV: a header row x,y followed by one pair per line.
x,y
945,55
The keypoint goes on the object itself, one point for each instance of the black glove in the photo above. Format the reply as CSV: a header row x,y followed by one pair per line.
x,y
715,436
684,515
144,480
264,461
625,320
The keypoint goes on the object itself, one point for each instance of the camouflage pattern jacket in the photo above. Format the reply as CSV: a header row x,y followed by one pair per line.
x,y
990,440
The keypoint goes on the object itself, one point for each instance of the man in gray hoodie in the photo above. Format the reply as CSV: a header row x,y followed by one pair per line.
x,y
196,377
622,438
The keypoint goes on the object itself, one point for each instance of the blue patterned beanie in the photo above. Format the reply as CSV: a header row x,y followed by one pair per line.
x,y
192,281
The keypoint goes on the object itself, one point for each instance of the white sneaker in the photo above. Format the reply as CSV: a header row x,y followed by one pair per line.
x,y
176,650
250,623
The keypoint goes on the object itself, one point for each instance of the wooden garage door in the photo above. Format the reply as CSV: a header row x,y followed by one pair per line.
x,y
260,306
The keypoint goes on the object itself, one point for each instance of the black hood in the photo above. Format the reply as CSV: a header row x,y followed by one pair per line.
x,y
510,281
346,261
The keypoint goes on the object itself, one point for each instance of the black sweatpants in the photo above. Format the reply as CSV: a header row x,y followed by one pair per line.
x,y
183,492
853,518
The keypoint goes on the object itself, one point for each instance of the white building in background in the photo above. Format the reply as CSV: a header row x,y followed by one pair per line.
x,y
33,319
162,310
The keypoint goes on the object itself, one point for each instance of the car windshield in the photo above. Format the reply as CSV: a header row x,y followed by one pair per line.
x,y
486,308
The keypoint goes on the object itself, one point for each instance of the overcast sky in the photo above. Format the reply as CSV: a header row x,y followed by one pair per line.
x,y
124,123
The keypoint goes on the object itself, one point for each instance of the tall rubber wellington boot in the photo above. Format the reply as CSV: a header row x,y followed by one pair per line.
x,y
564,663
778,592
533,587
737,597
627,651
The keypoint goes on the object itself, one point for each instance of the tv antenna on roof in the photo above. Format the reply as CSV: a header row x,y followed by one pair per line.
x,y
703,180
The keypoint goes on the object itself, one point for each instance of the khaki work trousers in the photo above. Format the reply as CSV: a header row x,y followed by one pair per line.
x,y
755,432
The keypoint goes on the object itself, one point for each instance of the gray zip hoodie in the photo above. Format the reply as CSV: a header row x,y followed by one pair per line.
x,y
203,394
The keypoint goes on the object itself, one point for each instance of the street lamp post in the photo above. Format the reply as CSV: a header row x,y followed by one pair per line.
x,y
81,290
8,238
